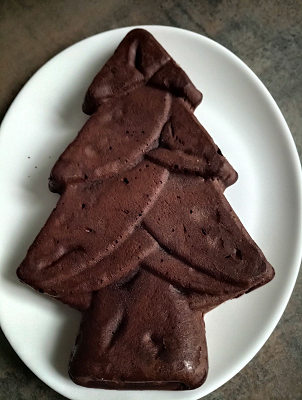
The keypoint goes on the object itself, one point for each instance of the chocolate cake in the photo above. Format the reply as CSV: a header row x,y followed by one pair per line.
x,y
142,241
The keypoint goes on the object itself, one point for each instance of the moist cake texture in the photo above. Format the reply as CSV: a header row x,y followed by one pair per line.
x,y
143,241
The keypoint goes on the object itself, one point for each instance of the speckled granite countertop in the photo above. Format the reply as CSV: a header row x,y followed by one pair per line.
x,y
266,35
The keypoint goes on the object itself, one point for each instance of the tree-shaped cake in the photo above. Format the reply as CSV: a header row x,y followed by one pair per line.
x,y
142,241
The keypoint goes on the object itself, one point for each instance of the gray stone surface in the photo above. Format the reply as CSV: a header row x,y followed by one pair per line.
x,y
266,35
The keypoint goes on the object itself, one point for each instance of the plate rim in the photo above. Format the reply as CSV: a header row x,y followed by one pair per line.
x,y
268,330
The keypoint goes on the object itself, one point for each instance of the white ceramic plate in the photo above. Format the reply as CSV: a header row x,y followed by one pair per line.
x,y
247,125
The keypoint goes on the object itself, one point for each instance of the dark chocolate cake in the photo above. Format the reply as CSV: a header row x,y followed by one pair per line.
x,y
142,241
